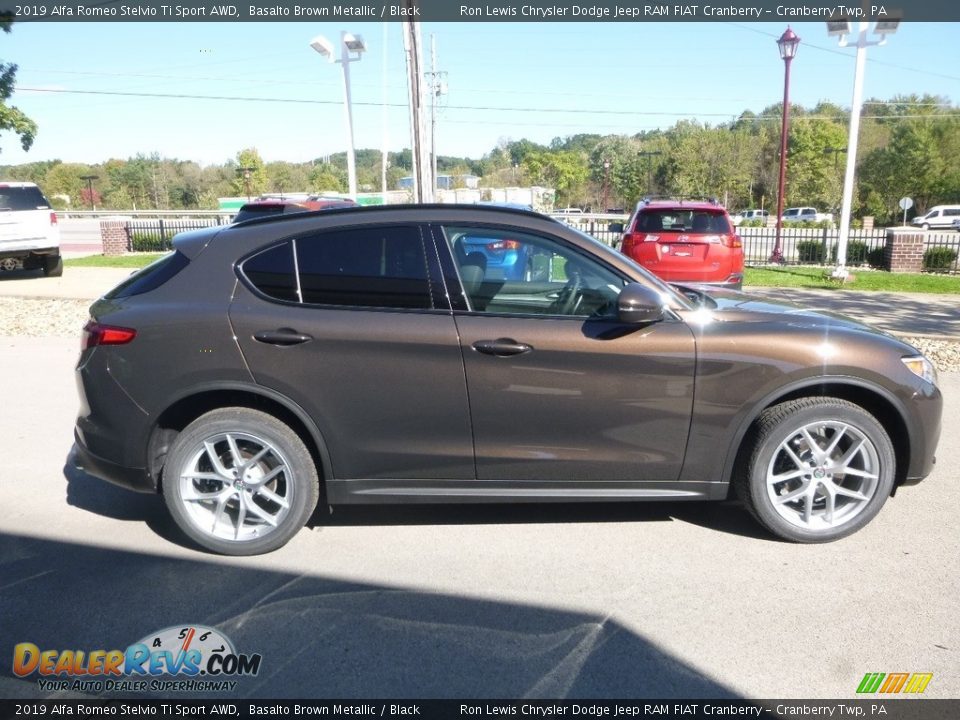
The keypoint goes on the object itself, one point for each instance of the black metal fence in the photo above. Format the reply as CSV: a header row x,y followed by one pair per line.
x,y
813,246
156,235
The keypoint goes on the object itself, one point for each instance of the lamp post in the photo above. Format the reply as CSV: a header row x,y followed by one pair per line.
x,y
842,29
649,154
788,44
606,183
352,48
245,173
90,179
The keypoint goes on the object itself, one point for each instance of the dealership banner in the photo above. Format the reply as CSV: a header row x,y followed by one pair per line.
x,y
476,10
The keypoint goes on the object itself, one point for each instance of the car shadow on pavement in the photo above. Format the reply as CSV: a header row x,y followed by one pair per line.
x,y
100,497
324,637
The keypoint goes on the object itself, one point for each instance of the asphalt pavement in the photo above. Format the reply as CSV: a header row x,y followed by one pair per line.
x,y
610,600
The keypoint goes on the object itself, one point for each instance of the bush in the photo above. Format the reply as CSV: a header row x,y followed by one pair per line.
x,y
939,259
875,258
811,251
857,253
150,241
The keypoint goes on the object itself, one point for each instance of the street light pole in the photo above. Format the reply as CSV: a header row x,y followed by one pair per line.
x,y
843,29
90,179
245,172
349,43
606,183
649,154
787,43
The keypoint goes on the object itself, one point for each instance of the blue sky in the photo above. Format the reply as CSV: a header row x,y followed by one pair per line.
x,y
506,81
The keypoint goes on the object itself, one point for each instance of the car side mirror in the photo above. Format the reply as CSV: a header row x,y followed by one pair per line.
x,y
639,304
616,227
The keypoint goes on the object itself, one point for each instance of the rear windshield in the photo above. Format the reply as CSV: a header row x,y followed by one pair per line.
x,y
681,220
151,277
22,198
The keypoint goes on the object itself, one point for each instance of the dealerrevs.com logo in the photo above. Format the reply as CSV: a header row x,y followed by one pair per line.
x,y
191,658
894,683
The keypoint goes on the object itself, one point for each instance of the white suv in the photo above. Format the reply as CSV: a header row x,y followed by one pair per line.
x,y
29,235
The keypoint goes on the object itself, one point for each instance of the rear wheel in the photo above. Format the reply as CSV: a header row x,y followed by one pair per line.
x,y
240,482
820,469
53,266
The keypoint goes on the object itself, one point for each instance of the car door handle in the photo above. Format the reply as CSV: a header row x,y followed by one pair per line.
x,y
502,347
283,336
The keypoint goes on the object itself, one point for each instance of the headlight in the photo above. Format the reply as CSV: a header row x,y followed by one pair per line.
x,y
921,367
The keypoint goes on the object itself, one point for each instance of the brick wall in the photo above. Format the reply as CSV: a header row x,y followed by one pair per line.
x,y
114,235
904,251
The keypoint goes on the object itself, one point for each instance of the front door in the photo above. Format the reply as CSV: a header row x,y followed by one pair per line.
x,y
561,393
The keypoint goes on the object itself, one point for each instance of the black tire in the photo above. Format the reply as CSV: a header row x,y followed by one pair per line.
x,y
53,266
826,505
276,479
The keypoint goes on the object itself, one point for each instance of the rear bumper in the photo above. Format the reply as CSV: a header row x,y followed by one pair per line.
x,y
137,479
6,252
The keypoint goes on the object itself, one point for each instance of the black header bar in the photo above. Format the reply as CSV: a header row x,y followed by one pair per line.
x,y
354,11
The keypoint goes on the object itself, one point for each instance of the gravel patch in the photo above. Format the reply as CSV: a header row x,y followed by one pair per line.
x,y
44,317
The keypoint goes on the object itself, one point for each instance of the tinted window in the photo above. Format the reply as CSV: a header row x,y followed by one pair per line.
x,y
272,272
151,277
382,267
22,198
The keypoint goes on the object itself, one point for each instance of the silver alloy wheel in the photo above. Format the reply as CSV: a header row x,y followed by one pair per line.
x,y
823,475
236,486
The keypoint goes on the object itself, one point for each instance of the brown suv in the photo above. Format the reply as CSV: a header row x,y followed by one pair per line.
x,y
374,356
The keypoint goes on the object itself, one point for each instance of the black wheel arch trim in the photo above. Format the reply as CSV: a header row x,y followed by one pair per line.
x,y
785,391
316,437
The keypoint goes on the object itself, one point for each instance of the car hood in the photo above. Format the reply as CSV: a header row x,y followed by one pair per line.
x,y
733,306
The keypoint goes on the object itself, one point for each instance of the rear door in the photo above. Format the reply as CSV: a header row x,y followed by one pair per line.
x,y
352,325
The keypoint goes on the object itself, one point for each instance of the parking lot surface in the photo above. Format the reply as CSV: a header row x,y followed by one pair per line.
x,y
651,600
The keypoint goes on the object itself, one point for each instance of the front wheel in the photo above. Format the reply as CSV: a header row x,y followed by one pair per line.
x,y
820,469
240,482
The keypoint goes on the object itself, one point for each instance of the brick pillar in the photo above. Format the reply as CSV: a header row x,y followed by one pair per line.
x,y
904,251
116,240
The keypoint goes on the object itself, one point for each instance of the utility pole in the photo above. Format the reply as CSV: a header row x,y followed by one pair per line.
x,y
422,182
438,87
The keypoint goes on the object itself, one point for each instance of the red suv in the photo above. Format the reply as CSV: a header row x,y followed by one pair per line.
x,y
685,241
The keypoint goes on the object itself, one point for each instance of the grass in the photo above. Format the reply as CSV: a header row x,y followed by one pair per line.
x,y
137,260
878,280
789,276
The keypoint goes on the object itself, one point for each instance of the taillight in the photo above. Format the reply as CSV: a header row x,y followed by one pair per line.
x,y
96,334
503,245
53,219
627,242
731,241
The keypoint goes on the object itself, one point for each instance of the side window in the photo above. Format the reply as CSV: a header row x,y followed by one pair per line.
x,y
380,267
508,272
272,272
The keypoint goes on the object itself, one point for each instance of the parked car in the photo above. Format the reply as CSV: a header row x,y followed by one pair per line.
x,y
939,217
29,233
360,356
272,206
685,241
749,215
806,214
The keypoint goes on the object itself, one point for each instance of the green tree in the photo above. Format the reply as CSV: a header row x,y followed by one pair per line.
x,y
11,118
563,170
